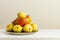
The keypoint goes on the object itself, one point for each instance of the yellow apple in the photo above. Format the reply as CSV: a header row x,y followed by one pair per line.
x,y
17,28
22,15
27,28
9,27
35,27
28,19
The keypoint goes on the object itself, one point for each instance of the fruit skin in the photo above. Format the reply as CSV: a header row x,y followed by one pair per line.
x,y
27,28
17,28
22,15
28,19
15,21
22,22
35,27
9,27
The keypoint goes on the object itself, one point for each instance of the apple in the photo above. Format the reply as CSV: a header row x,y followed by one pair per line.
x,y
17,28
22,22
35,27
28,19
9,27
22,15
27,28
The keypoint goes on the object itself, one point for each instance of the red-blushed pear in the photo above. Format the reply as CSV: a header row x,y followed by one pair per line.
x,y
22,21
15,21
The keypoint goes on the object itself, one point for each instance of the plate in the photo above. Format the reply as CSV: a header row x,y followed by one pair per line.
x,y
22,33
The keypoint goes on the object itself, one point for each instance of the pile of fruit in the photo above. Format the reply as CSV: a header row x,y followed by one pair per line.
x,y
23,23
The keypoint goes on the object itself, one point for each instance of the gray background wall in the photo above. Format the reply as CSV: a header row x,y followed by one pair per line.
x,y
46,13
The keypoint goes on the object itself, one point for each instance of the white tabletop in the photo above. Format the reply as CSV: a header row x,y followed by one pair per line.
x,y
42,33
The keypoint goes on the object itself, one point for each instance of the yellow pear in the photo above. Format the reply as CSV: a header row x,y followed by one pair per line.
x,y
22,15
35,27
17,28
27,28
9,27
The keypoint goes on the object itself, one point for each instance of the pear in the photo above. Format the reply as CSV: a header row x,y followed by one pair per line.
x,y
9,27
15,21
17,28
27,28
22,15
35,27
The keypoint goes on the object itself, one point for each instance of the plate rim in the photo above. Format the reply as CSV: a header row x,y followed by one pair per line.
x,y
21,33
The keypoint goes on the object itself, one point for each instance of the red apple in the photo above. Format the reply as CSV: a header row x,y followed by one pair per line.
x,y
22,21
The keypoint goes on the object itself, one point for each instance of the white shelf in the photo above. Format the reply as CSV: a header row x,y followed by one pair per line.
x,y
42,33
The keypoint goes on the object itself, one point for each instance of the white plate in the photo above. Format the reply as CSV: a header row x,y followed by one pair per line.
x,y
23,33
